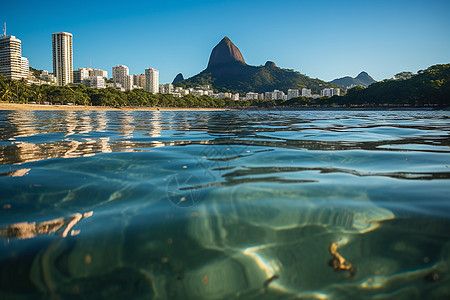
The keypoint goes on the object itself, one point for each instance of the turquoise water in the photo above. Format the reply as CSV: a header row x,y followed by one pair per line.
x,y
225,205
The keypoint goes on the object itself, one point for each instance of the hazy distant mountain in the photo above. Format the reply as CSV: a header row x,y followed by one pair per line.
x,y
227,71
362,79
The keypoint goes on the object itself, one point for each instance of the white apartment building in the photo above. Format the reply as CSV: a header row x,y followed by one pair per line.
x,y
329,92
81,74
11,57
251,96
62,57
306,92
293,93
166,88
197,93
45,75
152,80
139,80
98,72
24,67
97,82
121,74
268,96
278,95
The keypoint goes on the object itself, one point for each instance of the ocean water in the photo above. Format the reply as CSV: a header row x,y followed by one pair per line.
x,y
225,205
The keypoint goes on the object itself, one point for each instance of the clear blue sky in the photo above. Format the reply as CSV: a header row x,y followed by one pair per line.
x,y
322,39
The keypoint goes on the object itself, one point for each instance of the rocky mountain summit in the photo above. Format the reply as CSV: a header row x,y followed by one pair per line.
x,y
225,53
227,71
178,78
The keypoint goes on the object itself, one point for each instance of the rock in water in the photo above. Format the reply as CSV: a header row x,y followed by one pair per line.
x,y
225,53
178,78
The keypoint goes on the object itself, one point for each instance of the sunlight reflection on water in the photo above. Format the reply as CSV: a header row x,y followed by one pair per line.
x,y
202,205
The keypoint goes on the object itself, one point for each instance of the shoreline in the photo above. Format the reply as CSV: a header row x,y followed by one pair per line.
x,y
42,107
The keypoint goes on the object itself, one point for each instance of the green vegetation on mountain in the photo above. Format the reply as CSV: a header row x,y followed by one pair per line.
x,y
228,72
430,87
363,79
241,78
36,73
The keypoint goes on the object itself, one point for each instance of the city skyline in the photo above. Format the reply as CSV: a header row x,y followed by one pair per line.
x,y
324,40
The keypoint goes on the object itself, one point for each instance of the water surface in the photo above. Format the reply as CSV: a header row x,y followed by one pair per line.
x,y
225,205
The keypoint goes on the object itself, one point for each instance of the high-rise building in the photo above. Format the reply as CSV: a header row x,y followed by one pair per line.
x,y
152,80
121,74
62,57
11,57
139,80
24,67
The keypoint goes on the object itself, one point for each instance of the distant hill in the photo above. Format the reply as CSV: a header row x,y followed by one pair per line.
x,y
430,87
363,79
227,71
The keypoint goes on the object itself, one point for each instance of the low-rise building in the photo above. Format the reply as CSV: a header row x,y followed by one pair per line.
x,y
48,77
197,93
293,93
97,82
166,88
251,96
278,95
115,85
268,96
329,92
98,72
306,92
81,74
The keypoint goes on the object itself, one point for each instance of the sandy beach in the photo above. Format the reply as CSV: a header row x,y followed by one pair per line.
x,y
32,107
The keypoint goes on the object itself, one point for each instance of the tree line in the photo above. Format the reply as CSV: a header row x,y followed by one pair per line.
x,y
430,87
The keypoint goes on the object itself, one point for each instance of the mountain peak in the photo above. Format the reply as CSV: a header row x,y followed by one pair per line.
x,y
178,78
224,53
365,78
362,79
270,64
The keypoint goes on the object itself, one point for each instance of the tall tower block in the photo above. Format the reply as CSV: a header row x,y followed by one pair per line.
x,y
62,57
